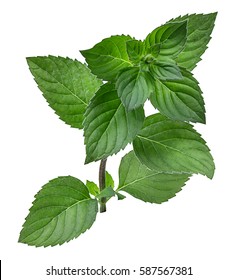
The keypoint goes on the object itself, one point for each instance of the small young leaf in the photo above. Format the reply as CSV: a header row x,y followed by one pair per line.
x,y
154,50
62,210
134,86
199,34
109,56
135,50
92,188
108,127
171,37
179,99
109,180
145,184
107,193
67,85
171,146
120,196
165,71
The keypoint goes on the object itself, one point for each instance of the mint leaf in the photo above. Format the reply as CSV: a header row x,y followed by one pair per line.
x,y
145,184
179,99
120,196
108,57
109,182
67,85
134,86
107,193
171,146
108,127
200,27
154,50
165,71
61,211
135,50
171,38
92,188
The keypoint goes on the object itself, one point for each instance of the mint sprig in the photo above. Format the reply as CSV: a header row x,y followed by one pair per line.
x,y
105,97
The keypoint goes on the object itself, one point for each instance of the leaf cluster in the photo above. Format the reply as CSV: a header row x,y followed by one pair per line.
x,y
105,97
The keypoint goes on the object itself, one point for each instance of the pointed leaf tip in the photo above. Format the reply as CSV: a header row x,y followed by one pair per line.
x,y
200,27
66,84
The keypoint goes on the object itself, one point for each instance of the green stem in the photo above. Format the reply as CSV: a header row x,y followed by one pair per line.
x,y
102,181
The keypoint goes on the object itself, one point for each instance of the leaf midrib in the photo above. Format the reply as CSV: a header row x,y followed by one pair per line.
x,y
113,57
176,94
137,180
168,147
109,123
81,100
57,216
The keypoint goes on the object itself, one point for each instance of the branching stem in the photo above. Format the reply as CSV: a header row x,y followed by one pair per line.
x,y
102,181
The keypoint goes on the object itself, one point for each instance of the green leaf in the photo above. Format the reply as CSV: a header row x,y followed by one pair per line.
x,y
180,100
108,127
92,188
154,50
165,71
135,50
67,85
109,180
107,193
120,196
171,37
171,146
108,57
134,86
199,34
146,184
62,210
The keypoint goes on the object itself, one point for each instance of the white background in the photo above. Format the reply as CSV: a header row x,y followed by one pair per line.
x,y
197,228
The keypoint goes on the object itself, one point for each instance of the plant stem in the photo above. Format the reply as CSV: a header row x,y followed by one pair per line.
x,y
102,181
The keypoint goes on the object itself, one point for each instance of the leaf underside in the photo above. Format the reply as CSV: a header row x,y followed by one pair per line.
x,y
146,184
108,127
66,84
61,211
171,146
